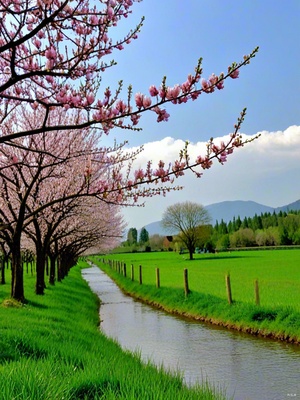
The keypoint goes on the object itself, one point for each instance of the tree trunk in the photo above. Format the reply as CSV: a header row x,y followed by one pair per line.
x,y
47,266
52,270
17,281
59,270
40,272
3,271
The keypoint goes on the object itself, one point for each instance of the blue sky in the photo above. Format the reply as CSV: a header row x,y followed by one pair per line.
x,y
175,34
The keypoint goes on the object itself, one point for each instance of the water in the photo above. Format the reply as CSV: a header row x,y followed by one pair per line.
x,y
248,368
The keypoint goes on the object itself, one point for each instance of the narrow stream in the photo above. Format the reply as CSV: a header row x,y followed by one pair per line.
x,y
248,368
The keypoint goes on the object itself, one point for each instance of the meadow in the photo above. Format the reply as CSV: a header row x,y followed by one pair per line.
x,y
277,273
51,348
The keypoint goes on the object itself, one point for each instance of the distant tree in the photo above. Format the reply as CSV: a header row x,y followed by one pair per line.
x,y
132,236
144,236
245,223
187,219
257,222
244,237
268,237
156,241
230,227
223,243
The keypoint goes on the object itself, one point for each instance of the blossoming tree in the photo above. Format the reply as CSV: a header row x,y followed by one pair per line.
x,y
43,179
52,56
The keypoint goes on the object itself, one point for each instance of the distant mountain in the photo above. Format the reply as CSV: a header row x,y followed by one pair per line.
x,y
226,210
295,206
155,227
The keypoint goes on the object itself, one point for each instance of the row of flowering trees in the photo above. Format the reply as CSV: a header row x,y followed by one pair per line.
x,y
57,181
46,202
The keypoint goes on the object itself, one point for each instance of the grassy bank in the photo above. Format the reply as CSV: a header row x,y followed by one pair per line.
x,y
51,349
277,271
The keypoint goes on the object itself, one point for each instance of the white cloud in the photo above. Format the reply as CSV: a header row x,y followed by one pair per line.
x,y
266,171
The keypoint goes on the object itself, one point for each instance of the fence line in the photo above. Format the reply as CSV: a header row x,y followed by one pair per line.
x,y
157,278
120,267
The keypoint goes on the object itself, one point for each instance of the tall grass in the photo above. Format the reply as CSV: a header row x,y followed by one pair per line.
x,y
51,348
278,273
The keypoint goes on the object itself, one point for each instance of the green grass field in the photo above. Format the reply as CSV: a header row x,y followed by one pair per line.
x,y
277,271
51,348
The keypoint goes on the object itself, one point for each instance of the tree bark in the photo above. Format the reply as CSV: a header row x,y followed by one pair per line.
x,y
40,272
3,271
52,270
17,285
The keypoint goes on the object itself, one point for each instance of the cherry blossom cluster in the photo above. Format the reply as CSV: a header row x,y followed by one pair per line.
x,y
52,55
53,111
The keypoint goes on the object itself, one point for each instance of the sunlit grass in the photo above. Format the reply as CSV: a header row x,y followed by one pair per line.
x,y
277,271
51,348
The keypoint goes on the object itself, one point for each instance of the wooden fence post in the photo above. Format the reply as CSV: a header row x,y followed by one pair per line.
x,y
228,287
140,271
186,282
157,278
132,272
256,290
124,270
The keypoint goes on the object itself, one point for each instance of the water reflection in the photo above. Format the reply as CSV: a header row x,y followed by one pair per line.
x,y
247,367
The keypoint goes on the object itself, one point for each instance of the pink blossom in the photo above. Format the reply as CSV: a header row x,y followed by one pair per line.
x,y
41,34
162,114
153,90
139,100
110,12
94,20
185,87
162,174
135,119
206,86
49,79
234,74
183,99
90,98
213,79
220,84
34,105
195,95
139,174
50,53
121,106
146,102
37,43
223,157
130,184
178,168
162,93
173,93
205,162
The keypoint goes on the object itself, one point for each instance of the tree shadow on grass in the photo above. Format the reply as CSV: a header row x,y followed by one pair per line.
x,y
35,304
218,257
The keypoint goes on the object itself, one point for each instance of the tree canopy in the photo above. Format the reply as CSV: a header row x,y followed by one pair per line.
x,y
187,219
56,178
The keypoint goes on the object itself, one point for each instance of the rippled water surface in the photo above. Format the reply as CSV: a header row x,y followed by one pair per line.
x,y
247,367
